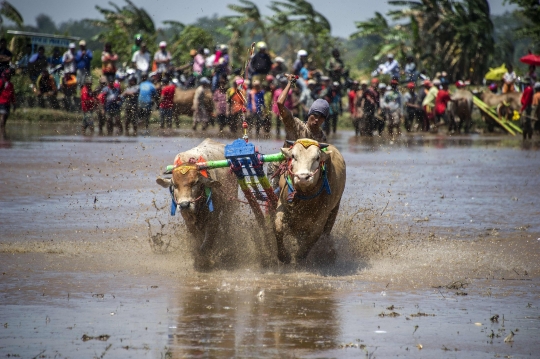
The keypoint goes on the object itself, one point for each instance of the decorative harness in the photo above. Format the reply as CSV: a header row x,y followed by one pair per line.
x,y
325,185
184,168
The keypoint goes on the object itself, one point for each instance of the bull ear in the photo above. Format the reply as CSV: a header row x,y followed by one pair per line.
x,y
290,143
325,156
208,182
287,152
164,182
323,145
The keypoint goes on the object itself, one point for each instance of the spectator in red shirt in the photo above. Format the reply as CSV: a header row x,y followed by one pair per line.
x,y
527,97
7,98
352,97
441,102
88,105
166,102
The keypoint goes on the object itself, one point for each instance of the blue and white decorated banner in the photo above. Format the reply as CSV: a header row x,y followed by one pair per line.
x,y
50,41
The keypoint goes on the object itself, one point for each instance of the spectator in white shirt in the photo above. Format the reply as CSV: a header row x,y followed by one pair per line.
x,y
68,59
141,61
509,79
162,58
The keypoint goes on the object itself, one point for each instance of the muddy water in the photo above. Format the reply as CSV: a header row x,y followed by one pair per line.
x,y
420,213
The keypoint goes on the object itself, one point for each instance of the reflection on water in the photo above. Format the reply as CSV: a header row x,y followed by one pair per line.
x,y
230,321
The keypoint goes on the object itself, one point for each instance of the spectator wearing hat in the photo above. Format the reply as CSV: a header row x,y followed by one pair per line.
x,y
166,102
236,97
137,39
392,106
412,106
509,79
7,98
300,62
278,67
332,94
5,56
88,105
429,101
390,67
162,58
527,96
307,97
112,103
141,61
371,101
147,93
68,59
108,61
220,103
200,107
130,98
83,60
351,95
411,74
199,64
441,104
260,63
221,66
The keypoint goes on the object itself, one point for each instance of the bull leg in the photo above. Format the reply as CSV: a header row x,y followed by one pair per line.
x,y
282,253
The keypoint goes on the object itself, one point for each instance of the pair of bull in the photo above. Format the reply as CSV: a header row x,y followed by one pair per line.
x,y
310,193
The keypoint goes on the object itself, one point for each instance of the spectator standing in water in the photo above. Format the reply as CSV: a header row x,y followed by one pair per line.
x,y
332,95
258,109
147,92
412,106
199,64
200,111
83,60
46,89
88,105
221,66
220,103
429,101
392,105
7,99
441,103
112,106
371,100
130,97
108,61
166,102
235,100
141,61
162,58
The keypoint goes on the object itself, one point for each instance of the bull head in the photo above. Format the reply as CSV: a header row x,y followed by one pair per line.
x,y
307,142
305,162
187,187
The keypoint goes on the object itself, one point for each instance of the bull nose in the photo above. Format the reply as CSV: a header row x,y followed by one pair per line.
x,y
304,176
184,205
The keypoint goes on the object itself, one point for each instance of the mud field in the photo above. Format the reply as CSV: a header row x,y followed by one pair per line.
x,y
435,254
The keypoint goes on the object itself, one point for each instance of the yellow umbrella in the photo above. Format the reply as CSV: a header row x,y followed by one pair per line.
x,y
496,74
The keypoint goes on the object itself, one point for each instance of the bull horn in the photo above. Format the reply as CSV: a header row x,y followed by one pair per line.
x,y
290,143
323,145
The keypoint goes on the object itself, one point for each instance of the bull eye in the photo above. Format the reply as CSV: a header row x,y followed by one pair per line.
x,y
293,157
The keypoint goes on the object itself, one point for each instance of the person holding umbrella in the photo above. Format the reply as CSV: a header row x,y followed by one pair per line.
x,y
532,60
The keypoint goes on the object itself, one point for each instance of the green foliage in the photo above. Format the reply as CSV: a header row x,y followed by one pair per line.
x,y
529,9
190,37
8,11
444,35
120,26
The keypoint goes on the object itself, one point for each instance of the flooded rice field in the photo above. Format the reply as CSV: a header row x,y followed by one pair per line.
x,y
434,253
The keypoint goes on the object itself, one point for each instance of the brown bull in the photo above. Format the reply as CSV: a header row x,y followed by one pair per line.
x,y
460,110
183,102
505,104
206,198
311,191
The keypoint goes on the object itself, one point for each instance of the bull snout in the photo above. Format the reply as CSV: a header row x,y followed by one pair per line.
x,y
184,204
304,177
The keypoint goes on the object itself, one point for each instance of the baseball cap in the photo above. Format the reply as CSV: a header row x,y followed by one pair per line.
x,y
162,44
411,85
82,43
72,45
